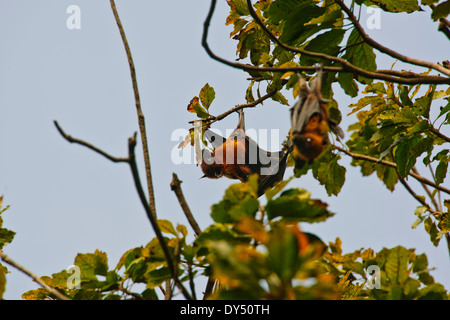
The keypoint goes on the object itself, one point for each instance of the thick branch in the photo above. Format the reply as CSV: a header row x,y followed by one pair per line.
x,y
386,50
140,114
393,165
175,185
373,75
345,64
55,293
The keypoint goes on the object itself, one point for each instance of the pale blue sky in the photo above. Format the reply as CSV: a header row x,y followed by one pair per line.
x,y
66,199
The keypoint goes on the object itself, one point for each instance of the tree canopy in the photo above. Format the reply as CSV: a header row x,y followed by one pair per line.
x,y
255,248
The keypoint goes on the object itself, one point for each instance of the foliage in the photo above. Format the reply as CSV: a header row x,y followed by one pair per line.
x,y
257,250
6,236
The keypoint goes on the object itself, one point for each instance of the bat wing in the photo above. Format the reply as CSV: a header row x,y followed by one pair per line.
x,y
337,130
275,172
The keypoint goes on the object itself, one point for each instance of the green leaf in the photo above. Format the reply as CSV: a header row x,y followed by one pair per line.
x,y
218,232
296,15
207,95
92,264
6,236
408,150
397,265
420,263
360,54
396,5
157,277
326,43
295,204
432,230
2,280
348,84
330,174
441,171
200,111
404,95
166,226
283,253
422,105
428,2
239,6
249,93
240,200
442,10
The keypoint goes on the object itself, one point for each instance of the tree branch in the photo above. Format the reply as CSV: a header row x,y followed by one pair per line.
x,y
392,165
131,160
175,185
55,293
140,114
253,104
88,145
345,64
386,50
429,193
373,75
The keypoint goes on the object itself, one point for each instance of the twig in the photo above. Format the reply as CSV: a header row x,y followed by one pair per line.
x,y
430,195
88,145
372,75
140,114
253,104
175,185
393,165
415,196
131,160
191,281
439,134
151,217
58,295
386,50
137,296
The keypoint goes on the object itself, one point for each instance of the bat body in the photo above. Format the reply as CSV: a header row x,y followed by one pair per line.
x,y
238,156
310,122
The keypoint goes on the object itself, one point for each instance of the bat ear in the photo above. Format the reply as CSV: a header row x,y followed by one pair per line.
x,y
241,122
316,85
303,87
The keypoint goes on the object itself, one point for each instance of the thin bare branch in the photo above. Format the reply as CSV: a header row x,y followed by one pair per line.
x,y
140,114
392,165
175,185
53,292
88,145
152,218
427,190
386,50
131,160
